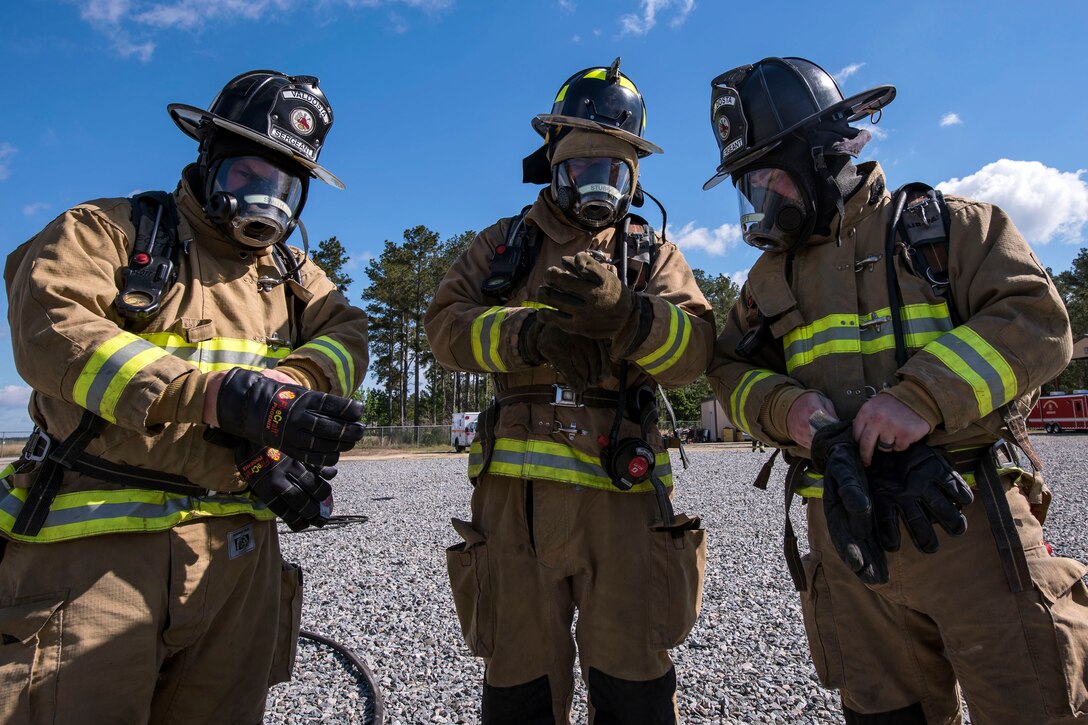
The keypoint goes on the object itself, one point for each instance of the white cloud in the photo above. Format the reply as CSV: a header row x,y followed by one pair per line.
x,y
567,5
6,152
643,22
14,396
846,72
879,133
576,39
34,208
951,119
712,241
1044,203
359,261
740,276
128,23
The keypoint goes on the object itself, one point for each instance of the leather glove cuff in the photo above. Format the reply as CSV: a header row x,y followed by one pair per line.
x,y
528,339
827,439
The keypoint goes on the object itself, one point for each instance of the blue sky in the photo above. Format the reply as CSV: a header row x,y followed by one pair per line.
x,y
432,102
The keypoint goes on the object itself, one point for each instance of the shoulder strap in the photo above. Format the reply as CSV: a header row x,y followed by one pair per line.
x,y
513,259
152,262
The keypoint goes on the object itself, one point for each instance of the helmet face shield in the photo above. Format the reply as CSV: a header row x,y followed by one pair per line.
x,y
593,191
256,200
774,209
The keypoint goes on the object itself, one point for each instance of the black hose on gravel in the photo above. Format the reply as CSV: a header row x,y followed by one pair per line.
x,y
364,674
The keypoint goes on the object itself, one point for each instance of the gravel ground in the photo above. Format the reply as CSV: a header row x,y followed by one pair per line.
x,y
380,588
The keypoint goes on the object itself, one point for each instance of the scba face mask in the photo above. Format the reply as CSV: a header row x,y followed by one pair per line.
x,y
593,192
254,200
776,214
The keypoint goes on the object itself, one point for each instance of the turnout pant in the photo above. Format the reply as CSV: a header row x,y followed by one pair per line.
x,y
535,552
189,625
951,617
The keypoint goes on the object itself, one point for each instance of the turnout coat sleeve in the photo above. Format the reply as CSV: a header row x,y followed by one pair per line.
x,y
70,344
753,388
466,330
1015,332
680,341
334,357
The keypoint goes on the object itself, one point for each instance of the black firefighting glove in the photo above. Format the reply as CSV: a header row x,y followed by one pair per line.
x,y
847,506
305,424
920,485
580,361
589,299
297,492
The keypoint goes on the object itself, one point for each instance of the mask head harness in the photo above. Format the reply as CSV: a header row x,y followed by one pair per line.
x,y
783,134
259,143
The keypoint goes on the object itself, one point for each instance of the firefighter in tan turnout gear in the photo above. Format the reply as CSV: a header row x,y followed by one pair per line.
x,y
188,371
890,343
570,509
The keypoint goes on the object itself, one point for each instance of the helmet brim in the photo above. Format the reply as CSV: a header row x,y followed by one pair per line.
x,y
856,107
542,122
190,118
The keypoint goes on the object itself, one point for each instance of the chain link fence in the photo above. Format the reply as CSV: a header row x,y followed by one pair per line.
x,y
12,442
406,436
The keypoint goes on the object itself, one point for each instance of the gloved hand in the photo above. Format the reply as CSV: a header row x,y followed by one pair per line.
x,y
588,298
298,493
921,485
305,424
581,362
847,506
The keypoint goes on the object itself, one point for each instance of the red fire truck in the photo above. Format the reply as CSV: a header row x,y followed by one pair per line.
x,y
1059,411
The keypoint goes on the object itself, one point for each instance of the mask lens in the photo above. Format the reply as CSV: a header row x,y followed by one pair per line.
x,y
267,197
599,188
772,209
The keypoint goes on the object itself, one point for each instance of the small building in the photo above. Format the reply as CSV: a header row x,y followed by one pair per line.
x,y
1080,349
714,422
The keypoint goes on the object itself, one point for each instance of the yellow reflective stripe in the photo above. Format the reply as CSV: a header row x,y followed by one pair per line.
x,y
8,470
111,367
536,305
665,356
341,360
844,333
739,397
562,94
551,461
601,74
977,363
220,353
486,333
91,513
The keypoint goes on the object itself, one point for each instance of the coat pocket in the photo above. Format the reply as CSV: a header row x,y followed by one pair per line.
x,y
676,587
470,583
1056,638
30,639
290,622
819,617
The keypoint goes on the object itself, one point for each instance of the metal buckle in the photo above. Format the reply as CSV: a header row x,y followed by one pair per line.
x,y
566,397
37,445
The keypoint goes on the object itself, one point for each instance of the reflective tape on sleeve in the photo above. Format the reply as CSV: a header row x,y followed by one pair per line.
x,y
739,397
340,358
110,369
670,351
486,333
977,363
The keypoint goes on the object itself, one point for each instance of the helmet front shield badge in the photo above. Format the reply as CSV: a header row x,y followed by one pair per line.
x,y
288,114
